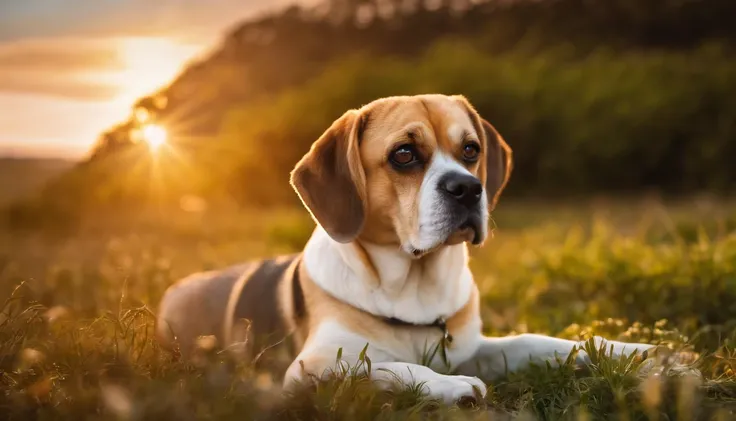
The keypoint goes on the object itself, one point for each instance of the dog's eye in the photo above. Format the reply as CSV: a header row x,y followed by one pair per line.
x,y
471,152
404,155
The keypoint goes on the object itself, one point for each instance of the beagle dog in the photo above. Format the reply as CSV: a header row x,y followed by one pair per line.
x,y
397,188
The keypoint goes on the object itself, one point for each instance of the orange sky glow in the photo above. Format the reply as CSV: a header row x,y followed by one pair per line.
x,y
62,84
57,111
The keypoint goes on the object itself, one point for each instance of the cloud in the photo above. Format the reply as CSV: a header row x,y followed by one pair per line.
x,y
70,48
49,86
45,18
62,67
62,55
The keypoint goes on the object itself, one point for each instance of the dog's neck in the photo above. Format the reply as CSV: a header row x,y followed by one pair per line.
x,y
385,281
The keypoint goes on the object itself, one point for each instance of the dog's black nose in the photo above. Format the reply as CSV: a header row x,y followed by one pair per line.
x,y
464,188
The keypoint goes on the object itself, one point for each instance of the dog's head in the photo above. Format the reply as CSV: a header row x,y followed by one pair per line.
x,y
418,171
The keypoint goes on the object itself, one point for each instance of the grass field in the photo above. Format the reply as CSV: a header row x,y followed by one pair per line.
x,y
22,176
76,328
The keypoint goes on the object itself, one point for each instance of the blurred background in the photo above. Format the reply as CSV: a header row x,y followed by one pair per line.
x,y
187,105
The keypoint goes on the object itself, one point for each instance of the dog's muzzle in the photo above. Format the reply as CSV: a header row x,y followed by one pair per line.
x,y
463,194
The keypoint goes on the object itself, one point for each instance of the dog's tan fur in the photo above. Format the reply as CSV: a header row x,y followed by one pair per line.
x,y
355,271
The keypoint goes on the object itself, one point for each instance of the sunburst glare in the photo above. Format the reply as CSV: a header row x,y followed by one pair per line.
x,y
155,136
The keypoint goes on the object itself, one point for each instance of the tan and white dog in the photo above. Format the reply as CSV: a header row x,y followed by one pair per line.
x,y
397,189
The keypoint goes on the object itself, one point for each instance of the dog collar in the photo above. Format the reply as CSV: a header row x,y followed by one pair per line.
x,y
443,344
440,323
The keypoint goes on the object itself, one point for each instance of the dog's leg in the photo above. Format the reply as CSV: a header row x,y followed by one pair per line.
x,y
387,375
497,356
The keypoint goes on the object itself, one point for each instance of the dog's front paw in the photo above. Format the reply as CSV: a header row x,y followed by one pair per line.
x,y
463,390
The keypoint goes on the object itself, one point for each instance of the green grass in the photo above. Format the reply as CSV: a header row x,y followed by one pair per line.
x,y
76,323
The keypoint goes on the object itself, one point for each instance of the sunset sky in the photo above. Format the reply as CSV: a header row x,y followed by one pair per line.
x,y
71,68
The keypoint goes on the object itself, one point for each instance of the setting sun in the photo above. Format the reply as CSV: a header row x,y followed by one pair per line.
x,y
155,136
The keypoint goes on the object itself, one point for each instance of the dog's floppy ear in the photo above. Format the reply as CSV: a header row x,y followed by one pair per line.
x,y
499,162
330,180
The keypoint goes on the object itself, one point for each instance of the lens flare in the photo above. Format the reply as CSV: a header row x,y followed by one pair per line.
x,y
155,136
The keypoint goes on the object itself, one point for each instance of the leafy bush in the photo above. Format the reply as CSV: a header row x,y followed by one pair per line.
x,y
622,121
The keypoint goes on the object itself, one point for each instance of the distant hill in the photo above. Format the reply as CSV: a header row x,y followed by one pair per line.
x,y
22,177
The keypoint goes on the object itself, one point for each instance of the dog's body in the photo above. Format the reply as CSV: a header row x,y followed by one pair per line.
x,y
397,188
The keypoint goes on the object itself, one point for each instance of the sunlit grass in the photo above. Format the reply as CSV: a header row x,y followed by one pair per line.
x,y
77,333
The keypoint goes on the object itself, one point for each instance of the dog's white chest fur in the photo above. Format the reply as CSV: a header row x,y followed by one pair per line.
x,y
417,294
414,293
